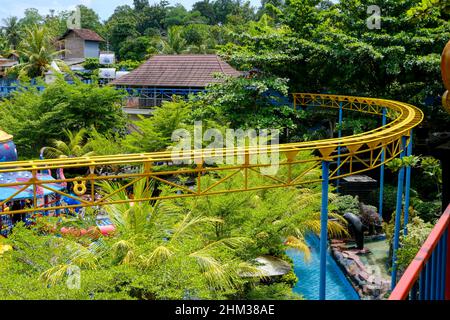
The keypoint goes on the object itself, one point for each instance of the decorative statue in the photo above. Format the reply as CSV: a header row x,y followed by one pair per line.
x,y
445,70
356,228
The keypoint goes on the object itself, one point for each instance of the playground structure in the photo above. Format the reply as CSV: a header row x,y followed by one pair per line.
x,y
347,156
13,198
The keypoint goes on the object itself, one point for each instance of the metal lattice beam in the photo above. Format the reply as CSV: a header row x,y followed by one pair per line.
x,y
357,153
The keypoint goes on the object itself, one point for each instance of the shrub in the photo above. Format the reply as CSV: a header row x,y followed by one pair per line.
x,y
418,231
346,203
35,117
276,291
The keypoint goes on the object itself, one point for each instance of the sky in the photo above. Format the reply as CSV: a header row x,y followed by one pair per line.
x,y
104,8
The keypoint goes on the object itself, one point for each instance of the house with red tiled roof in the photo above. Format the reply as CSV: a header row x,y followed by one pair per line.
x,y
81,44
163,76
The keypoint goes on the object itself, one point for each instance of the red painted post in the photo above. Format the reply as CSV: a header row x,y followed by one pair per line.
x,y
412,273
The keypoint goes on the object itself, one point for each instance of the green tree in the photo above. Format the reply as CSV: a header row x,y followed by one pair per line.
x,y
37,52
136,49
217,11
5,47
76,146
246,102
35,117
418,231
121,25
31,17
178,15
274,218
174,43
152,17
11,29
90,19
154,133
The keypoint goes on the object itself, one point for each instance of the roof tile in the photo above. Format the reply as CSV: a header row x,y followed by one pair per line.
x,y
85,34
177,71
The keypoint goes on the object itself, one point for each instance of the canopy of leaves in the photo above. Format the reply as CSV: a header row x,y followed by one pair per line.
x,y
36,116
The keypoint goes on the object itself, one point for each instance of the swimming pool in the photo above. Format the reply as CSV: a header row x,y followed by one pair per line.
x,y
308,274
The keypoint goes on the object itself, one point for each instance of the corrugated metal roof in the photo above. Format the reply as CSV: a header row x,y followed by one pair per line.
x,y
193,70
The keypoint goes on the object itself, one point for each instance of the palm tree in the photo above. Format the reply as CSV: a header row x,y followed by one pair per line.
x,y
37,52
174,42
76,146
11,30
154,235
5,47
292,213
152,238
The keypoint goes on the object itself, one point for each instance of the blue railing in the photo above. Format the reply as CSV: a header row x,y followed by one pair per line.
x,y
151,97
147,97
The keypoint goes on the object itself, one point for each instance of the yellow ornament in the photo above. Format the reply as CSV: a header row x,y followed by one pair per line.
x,y
79,187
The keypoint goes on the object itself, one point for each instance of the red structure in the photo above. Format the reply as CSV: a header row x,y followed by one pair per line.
x,y
428,275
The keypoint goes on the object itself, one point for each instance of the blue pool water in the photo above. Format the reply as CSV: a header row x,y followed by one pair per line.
x,y
337,285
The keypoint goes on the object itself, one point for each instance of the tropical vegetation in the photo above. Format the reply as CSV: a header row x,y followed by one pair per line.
x,y
205,248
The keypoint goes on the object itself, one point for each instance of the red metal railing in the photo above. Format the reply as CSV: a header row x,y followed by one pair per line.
x,y
428,275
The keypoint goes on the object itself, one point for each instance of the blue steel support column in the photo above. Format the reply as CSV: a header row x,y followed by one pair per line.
x,y
408,185
398,214
339,148
324,230
383,158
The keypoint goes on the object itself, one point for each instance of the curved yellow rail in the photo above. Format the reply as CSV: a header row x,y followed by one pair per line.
x,y
358,153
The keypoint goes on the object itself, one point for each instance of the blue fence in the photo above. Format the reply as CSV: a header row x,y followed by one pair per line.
x,y
137,97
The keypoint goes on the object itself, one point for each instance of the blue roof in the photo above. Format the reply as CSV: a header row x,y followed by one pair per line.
x,y
23,176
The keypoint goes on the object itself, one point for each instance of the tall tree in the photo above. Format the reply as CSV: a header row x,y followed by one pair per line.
x,y
37,51
90,19
174,43
31,17
121,25
75,146
11,29
140,5
152,17
5,47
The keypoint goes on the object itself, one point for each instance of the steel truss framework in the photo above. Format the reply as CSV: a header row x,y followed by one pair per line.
x,y
354,154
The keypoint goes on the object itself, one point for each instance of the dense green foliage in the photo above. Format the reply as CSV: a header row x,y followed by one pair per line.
x,y
418,231
201,247
329,48
35,117
181,249
425,188
317,45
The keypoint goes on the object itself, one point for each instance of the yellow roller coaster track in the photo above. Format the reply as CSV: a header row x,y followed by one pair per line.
x,y
298,162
